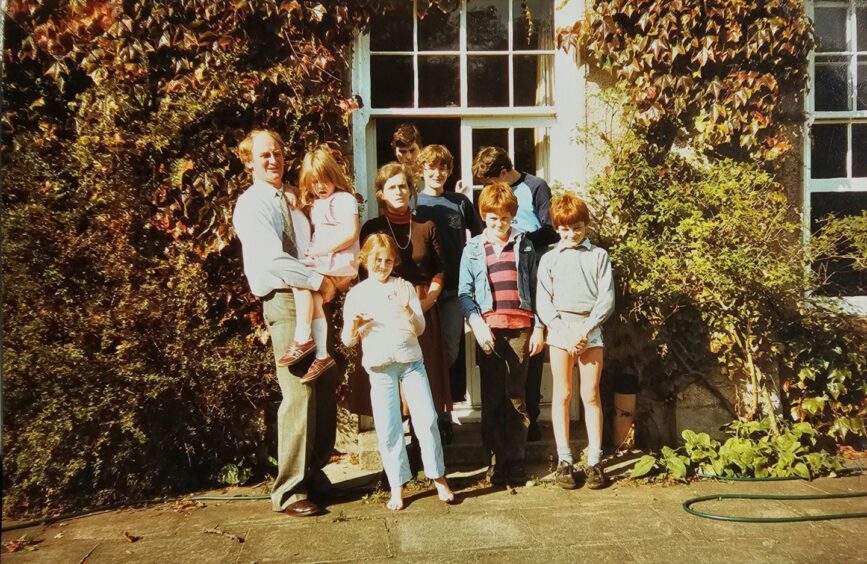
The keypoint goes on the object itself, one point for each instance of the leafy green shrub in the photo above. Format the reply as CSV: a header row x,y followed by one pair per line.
x,y
713,274
751,452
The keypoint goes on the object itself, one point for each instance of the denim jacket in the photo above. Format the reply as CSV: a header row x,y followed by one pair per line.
x,y
474,287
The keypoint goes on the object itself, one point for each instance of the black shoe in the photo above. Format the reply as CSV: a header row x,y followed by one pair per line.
x,y
564,476
534,433
447,434
596,479
516,473
497,475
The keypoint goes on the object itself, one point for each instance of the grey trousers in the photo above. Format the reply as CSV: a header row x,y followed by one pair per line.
x,y
307,417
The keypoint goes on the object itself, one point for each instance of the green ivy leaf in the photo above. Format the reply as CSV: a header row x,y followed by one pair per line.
x,y
644,465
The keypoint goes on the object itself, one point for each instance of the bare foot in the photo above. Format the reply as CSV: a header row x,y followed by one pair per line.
x,y
444,492
396,501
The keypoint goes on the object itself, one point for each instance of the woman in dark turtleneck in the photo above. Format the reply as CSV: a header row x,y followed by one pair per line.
x,y
420,264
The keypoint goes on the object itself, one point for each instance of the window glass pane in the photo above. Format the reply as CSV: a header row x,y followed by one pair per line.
x,y
391,81
391,30
862,82
532,24
490,138
488,80
438,31
528,153
828,156
534,80
859,150
438,81
487,25
832,90
861,28
843,279
831,29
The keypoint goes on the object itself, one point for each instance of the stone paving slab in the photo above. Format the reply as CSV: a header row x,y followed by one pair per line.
x,y
540,524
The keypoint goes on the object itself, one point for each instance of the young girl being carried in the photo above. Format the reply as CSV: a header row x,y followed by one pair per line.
x,y
391,355
332,252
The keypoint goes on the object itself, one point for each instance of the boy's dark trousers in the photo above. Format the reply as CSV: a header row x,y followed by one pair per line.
x,y
503,381
534,385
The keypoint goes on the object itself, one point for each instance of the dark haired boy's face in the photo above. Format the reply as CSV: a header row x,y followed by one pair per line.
x,y
407,155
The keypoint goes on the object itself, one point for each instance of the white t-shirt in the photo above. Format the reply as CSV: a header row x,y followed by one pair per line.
x,y
393,334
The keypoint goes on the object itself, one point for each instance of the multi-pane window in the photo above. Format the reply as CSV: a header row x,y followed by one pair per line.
x,y
483,54
480,72
836,157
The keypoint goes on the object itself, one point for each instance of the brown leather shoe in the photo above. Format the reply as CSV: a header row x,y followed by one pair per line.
x,y
317,368
302,508
295,353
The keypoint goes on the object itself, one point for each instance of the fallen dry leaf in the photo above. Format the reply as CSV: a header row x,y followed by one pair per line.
x,y
18,544
215,531
131,537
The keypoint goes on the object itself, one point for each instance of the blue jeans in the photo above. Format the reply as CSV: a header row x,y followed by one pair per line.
x,y
385,400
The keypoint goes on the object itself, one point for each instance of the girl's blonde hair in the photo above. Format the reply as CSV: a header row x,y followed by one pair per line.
x,y
321,165
375,243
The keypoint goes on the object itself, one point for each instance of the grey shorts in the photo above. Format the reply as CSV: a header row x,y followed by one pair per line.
x,y
573,323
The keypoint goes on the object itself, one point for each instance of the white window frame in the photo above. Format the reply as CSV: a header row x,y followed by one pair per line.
x,y
566,159
853,304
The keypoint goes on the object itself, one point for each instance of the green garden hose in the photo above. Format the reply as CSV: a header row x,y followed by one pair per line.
x,y
736,519
687,505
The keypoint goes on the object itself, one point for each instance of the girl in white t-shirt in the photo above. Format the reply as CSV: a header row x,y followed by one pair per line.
x,y
385,313
332,252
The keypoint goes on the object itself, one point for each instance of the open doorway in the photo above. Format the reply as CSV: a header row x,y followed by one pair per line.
x,y
440,131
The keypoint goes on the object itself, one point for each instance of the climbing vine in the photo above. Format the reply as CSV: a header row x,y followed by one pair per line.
x,y
716,70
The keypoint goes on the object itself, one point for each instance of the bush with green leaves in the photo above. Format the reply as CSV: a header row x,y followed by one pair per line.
x,y
751,452
713,275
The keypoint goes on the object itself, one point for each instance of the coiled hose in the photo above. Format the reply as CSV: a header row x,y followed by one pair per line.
x,y
687,505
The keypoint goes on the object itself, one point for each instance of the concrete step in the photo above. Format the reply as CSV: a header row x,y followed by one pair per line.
x,y
466,448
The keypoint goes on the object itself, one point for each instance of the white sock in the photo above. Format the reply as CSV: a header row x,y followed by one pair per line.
x,y
594,456
320,337
302,333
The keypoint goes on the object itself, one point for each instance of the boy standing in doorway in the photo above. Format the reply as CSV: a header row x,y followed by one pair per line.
x,y
454,215
406,144
493,164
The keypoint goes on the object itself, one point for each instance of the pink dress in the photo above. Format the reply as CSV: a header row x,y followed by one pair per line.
x,y
326,215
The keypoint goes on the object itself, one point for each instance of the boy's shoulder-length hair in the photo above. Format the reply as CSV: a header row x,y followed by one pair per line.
x,y
433,155
320,164
490,162
498,198
245,148
567,209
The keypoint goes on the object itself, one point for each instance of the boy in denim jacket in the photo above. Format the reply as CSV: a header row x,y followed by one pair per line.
x,y
496,292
